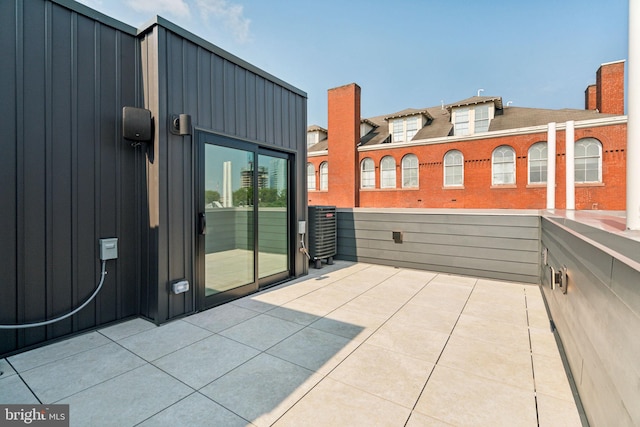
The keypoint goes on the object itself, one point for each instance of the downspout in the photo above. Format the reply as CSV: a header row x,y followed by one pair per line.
x,y
570,142
633,115
551,165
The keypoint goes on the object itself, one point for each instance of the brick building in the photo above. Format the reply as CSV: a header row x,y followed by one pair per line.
x,y
475,153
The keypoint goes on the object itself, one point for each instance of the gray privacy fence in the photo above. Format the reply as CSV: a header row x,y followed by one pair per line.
x,y
229,228
493,244
598,319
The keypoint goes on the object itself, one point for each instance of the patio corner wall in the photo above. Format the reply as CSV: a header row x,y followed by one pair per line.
x,y
502,245
68,178
598,319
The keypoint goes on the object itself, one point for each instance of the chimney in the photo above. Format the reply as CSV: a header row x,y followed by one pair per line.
x,y
610,88
590,98
344,136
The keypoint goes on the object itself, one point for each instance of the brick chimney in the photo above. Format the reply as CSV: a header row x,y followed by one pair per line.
x,y
610,88
590,98
344,135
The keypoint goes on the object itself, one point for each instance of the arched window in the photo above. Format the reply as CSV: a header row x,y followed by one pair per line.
x,y
453,169
503,166
588,160
324,176
388,172
538,163
367,174
410,171
311,176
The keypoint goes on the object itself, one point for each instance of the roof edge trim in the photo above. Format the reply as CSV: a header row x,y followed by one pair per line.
x,y
186,34
97,16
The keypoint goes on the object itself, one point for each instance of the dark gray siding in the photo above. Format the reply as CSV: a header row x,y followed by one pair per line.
x,y
598,319
68,178
493,245
223,95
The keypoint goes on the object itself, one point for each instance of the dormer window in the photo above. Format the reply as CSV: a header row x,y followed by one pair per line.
x,y
471,119
315,134
405,129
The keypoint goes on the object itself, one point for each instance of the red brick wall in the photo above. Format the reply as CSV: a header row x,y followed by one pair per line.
x,y
610,88
344,135
590,100
477,191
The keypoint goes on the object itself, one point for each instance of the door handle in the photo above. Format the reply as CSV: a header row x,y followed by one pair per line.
x,y
202,223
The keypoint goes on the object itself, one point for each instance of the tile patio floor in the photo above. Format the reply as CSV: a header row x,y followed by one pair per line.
x,y
349,345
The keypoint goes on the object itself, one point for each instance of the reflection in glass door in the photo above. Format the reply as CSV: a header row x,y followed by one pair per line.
x,y
273,218
229,215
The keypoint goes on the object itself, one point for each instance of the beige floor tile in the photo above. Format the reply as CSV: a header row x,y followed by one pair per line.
x,y
516,336
442,297
126,329
396,288
463,399
262,389
384,373
550,377
543,342
420,420
222,317
301,316
206,360
513,314
332,403
195,410
57,351
422,343
452,279
314,349
489,360
554,412
162,340
376,306
425,318
352,324
261,332
14,391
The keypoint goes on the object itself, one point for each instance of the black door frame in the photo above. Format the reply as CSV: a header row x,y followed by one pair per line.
x,y
203,137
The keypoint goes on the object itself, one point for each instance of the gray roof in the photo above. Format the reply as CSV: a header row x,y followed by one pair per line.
x,y
439,123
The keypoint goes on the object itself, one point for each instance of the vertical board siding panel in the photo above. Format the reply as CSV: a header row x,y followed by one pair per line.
x,y
270,116
145,267
86,168
59,176
229,108
107,177
204,92
129,160
10,70
33,193
277,116
218,92
188,178
251,106
240,101
261,130
287,137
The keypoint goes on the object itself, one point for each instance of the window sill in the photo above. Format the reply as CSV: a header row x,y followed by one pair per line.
x,y
542,185
589,184
453,187
503,186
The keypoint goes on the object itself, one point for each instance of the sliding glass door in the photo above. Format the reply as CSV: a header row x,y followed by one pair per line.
x,y
244,218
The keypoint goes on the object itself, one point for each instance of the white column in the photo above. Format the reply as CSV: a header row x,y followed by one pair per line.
x,y
551,165
570,141
633,123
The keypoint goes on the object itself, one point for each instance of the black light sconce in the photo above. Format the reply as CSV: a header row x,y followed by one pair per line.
x,y
180,124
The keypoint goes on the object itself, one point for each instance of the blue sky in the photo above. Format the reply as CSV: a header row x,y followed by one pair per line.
x,y
409,54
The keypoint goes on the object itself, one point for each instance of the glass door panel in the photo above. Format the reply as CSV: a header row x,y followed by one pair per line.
x,y
273,217
229,213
